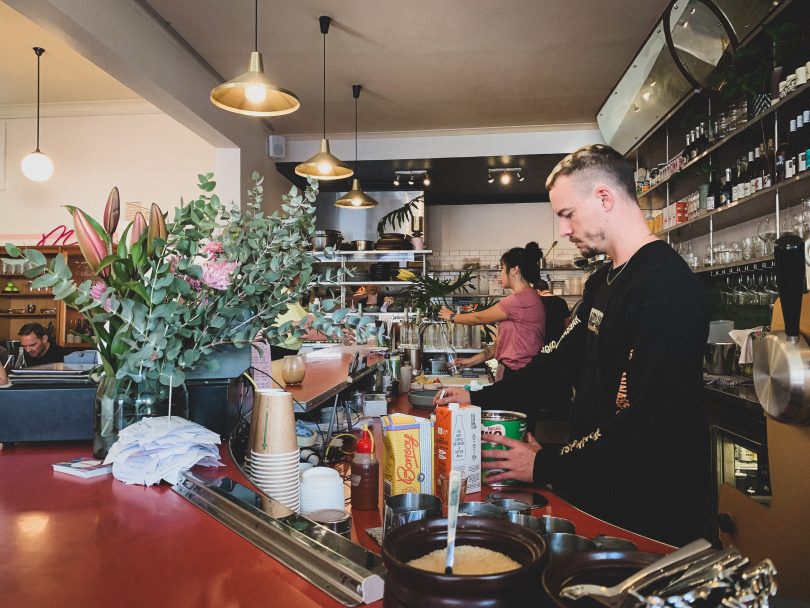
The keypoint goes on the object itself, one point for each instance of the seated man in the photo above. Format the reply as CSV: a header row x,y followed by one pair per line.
x,y
38,347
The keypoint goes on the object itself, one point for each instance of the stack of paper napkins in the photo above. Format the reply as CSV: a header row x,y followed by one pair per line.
x,y
159,448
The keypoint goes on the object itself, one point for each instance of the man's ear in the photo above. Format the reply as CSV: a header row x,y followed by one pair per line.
x,y
45,338
605,194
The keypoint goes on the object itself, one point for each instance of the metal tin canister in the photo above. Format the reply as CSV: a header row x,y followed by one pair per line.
x,y
507,424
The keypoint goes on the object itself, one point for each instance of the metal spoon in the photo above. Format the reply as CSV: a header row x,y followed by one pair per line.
x,y
600,592
453,492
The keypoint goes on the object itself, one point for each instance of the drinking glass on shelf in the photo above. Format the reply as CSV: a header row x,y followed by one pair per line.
x,y
804,212
707,259
293,369
786,222
736,252
748,248
766,231
799,227
726,292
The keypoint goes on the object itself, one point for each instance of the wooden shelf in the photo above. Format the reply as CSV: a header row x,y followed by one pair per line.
x,y
25,294
705,269
657,200
745,209
28,314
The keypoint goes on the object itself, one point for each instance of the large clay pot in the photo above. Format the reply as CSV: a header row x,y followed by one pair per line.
x,y
406,586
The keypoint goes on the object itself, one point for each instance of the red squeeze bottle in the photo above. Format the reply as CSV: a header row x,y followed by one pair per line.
x,y
365,474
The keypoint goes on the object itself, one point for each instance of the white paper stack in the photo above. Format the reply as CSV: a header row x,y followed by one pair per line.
x,y
159,448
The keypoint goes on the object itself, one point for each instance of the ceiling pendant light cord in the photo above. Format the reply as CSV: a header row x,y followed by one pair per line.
x,y
39,54
256,26
324,86
356,160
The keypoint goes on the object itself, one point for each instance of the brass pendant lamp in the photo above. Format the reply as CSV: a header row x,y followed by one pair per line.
x,y
324,165
253,93
36,166
356,198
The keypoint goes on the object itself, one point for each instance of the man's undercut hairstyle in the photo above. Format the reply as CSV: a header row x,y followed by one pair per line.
x,y
598,158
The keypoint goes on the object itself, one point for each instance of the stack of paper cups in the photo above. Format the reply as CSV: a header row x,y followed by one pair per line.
x,y
274,451
254,415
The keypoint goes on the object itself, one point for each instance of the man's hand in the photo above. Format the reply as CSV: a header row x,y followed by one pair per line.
x,y
451,394
517,461
445,313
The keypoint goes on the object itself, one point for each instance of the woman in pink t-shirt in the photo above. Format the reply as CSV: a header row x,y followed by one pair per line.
x,y
521,316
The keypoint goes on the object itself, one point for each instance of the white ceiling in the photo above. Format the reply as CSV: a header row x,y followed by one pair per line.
x,y
66,75
423,64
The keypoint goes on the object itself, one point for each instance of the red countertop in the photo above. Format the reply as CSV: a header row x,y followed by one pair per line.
x,y
66,541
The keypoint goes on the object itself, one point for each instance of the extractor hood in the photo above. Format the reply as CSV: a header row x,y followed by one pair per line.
x,y
684,49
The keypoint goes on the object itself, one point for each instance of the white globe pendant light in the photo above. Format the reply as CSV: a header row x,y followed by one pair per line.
x,y
36,166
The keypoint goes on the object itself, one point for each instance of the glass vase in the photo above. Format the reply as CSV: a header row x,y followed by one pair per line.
x,y
121,402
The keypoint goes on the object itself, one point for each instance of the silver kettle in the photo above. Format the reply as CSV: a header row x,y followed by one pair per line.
x,y
782,358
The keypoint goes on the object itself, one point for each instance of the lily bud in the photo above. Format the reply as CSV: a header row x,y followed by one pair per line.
x,y
157,228
138,228
91,244
112,212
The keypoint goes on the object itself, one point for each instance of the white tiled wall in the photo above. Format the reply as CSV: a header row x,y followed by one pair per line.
x,y
456,232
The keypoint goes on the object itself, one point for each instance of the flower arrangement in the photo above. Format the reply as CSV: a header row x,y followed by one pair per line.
x,y
167,295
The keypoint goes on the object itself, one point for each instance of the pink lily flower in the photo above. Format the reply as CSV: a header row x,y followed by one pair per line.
x,y
112,211
91,244
138,228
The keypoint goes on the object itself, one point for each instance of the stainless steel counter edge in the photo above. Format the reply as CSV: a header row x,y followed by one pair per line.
x,y
338,567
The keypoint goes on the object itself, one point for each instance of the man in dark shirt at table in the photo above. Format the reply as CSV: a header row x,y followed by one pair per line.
x,y
638,454
39,350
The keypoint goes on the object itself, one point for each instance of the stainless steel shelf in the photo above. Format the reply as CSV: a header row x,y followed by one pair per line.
x,y
444,350
398,255
359,283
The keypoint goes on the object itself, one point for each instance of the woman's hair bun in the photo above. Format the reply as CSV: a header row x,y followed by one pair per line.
x,y
533,251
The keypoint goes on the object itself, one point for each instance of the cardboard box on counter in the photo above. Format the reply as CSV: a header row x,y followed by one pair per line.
x,y
407,455
458,442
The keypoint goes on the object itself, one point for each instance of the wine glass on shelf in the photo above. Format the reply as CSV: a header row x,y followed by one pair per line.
x,y
804,214
786,222
766,231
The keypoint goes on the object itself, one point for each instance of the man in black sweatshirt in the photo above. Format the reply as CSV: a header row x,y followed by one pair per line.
x,y
639,456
